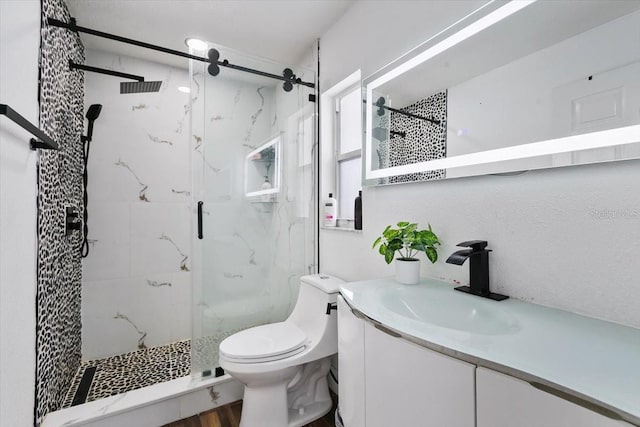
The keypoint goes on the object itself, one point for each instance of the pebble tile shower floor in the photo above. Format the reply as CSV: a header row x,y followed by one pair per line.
x,y
131,371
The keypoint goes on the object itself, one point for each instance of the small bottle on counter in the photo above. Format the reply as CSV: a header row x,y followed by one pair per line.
x,y
357,210
330,211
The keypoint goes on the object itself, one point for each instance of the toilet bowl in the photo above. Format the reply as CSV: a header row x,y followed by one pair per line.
x,y
284,365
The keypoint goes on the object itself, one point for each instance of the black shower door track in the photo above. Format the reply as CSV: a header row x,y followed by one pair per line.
x,y
74,27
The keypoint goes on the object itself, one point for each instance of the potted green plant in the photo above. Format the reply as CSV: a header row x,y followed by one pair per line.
x,y
407,241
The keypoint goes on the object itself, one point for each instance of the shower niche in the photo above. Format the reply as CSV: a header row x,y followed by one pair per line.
x,y
262,171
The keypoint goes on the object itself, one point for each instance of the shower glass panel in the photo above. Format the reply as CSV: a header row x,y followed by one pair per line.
x,y
258,236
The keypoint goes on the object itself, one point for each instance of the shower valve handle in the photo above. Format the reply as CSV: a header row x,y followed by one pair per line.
x,y
72,220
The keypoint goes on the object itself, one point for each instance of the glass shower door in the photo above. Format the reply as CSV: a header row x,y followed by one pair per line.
x,y
253,172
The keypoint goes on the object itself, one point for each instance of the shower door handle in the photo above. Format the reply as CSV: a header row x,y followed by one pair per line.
x,y
200,220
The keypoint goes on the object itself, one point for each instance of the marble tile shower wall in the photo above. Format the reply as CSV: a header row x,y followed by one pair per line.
x,y
136,279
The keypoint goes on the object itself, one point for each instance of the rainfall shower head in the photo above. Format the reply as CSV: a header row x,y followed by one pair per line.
x,y
140,87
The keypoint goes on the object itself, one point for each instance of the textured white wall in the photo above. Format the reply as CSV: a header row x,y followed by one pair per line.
x,y
565,237
19,50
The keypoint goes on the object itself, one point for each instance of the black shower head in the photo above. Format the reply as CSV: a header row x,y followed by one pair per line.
x,y
140,87
93,112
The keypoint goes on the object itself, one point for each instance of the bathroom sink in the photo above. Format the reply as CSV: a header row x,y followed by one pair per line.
x,y
448,309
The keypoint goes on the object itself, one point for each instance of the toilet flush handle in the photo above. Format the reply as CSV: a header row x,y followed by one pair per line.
x,y
331,307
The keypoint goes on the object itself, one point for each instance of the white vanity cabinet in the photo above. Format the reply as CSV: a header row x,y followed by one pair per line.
x,y
402,369
410,386
504,401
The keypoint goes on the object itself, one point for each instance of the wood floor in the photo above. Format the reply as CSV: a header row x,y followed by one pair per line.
x,y
229,416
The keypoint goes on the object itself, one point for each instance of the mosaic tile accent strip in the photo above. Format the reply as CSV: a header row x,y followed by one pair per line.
x,y
59,270
134,370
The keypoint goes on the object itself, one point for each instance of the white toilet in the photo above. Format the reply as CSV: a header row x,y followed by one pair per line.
x,y
284,365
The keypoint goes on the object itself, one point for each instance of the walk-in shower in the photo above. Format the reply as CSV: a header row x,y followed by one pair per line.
x,y
202,208
157,299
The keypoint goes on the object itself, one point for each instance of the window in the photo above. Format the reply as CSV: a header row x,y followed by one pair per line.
x,y
341,134
348,150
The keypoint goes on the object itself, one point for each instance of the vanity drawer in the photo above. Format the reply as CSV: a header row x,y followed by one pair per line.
x,y
411,386
504,401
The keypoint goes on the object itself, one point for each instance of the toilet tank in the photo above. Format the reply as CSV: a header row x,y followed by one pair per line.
x,y
326,283
309,314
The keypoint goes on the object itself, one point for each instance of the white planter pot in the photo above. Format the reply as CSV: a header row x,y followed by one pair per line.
x,y
407,271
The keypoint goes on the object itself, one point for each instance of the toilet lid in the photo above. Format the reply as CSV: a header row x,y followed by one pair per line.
x,y
262,342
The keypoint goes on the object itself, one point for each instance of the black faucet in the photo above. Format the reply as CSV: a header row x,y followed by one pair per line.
x,y
478,269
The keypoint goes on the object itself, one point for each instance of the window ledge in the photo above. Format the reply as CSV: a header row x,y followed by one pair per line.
x,y
342,228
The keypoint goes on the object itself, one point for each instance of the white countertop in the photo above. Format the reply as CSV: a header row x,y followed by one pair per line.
x,y
594,358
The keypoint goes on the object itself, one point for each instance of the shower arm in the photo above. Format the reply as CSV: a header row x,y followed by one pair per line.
x,y
74,66
76,28
415,116
381,107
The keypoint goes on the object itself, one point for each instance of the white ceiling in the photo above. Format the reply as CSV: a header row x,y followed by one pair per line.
x,y
280,30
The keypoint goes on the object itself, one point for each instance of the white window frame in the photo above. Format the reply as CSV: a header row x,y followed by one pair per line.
x,y
350,155
330,142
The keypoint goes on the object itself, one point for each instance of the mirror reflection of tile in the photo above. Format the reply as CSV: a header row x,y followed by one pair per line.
x,y
412,140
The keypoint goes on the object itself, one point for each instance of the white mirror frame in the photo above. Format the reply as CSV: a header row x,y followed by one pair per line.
x,y
273,142
607,138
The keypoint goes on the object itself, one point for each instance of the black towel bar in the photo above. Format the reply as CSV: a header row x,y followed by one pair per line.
x,y
43,140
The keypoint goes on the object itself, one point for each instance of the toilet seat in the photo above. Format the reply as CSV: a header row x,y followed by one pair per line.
x,y
264,343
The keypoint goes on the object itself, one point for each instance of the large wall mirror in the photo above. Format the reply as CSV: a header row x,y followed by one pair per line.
x,y
514,86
